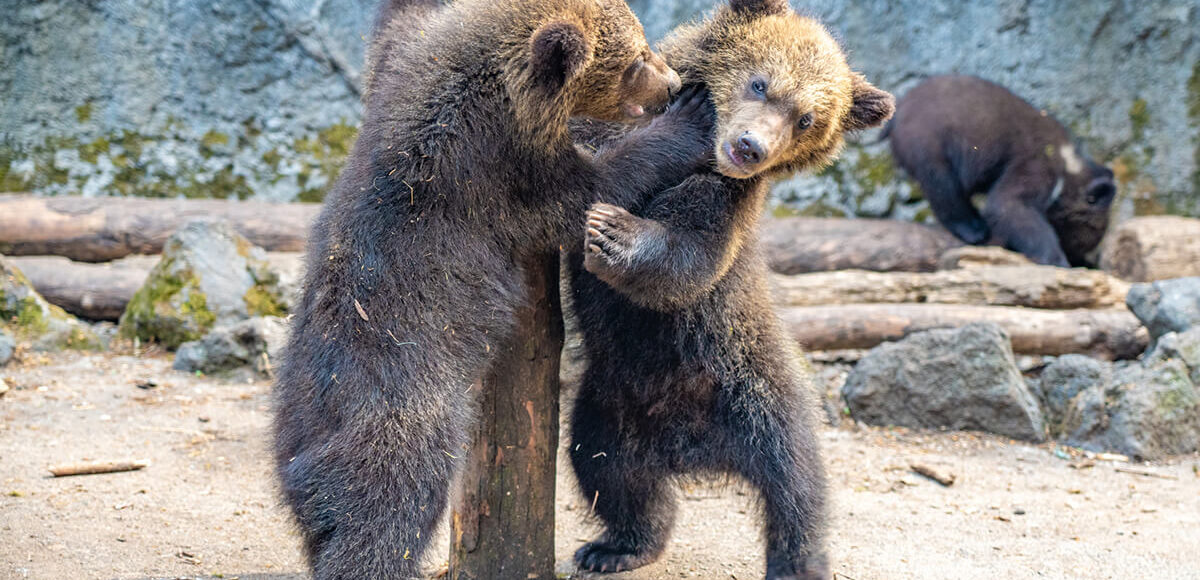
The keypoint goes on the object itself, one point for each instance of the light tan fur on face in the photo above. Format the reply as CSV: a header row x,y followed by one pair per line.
x,y
806,72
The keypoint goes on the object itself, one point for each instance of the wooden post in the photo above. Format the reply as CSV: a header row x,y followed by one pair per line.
x,y
503,523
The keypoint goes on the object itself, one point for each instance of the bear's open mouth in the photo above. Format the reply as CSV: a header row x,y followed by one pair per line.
x,y
738,160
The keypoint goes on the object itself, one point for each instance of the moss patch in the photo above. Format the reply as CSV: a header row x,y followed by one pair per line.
x,y
83,113
1139,119
260,301
151,314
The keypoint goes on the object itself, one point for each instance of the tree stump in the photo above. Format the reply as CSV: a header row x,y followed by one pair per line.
x,y
503,521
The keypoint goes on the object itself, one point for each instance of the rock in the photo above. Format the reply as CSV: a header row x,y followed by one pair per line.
x,y
1181,346
3,388
208,276
962,378
26,317
1063,380
1167,305
980,256
1149,411
256,343
7,346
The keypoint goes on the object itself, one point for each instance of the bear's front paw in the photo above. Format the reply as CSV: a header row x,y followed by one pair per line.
x,y
611,238
604,557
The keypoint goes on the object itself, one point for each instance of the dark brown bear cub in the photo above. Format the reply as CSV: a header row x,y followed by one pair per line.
x,y
959,136
463,166
688,369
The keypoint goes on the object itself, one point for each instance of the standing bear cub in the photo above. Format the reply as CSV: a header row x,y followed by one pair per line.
x,y
958,136
463,166
688,371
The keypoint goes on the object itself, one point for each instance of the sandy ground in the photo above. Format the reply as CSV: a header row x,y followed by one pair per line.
x,y
206,507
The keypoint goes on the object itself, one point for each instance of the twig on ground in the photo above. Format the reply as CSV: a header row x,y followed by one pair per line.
x,y
1144,473
944,478
97,467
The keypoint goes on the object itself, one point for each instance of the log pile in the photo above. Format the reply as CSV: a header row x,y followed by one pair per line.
x,y
841,284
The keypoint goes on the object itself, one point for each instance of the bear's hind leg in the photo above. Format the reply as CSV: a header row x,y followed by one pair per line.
x,y
777,453
369,500
634,501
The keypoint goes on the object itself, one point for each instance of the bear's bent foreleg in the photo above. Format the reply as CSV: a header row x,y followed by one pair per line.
x,y
951,205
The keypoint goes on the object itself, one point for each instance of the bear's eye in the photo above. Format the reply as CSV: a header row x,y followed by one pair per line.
x,y
806,121
759,86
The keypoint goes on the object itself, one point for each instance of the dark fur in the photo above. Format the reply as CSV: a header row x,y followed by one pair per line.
x,y
462,166
958,136
689,371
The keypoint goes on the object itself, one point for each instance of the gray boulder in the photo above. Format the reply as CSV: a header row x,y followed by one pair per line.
x,y
1147,412
1167,305
209,275
7,346
1181,346
1063,380
963,378
254,343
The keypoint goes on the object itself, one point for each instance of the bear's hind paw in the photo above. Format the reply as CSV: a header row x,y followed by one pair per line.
x,y
604,557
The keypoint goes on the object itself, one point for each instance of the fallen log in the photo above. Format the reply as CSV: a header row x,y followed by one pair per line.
x,y
1030,286
92,291
800,245
101,291
108,228
1147,249
1112,334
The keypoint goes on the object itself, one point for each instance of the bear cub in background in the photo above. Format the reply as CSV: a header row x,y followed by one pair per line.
x,y
958,136
689,371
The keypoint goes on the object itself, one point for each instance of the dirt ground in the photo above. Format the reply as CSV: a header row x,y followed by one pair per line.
x,y
206,507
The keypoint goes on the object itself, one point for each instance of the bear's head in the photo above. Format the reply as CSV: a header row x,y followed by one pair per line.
x,y
593,54
1080,207
783,92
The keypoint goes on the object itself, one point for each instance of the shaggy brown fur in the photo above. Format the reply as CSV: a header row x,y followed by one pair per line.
x,y
959,136
462,167
689,370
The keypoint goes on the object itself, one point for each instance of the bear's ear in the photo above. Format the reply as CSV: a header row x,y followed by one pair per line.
x,y
1101,191
760,7
872,107
560,51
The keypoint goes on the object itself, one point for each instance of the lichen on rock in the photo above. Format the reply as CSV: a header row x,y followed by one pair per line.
x,y
208,275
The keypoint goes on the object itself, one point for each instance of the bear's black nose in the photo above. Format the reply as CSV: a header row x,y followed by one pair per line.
x,y
751,149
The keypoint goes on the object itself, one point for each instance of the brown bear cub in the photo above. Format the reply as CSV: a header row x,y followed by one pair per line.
x,y
958,136
688,369
464,165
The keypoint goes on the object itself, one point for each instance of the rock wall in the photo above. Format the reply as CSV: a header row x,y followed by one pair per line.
x,y
259,97
237,98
